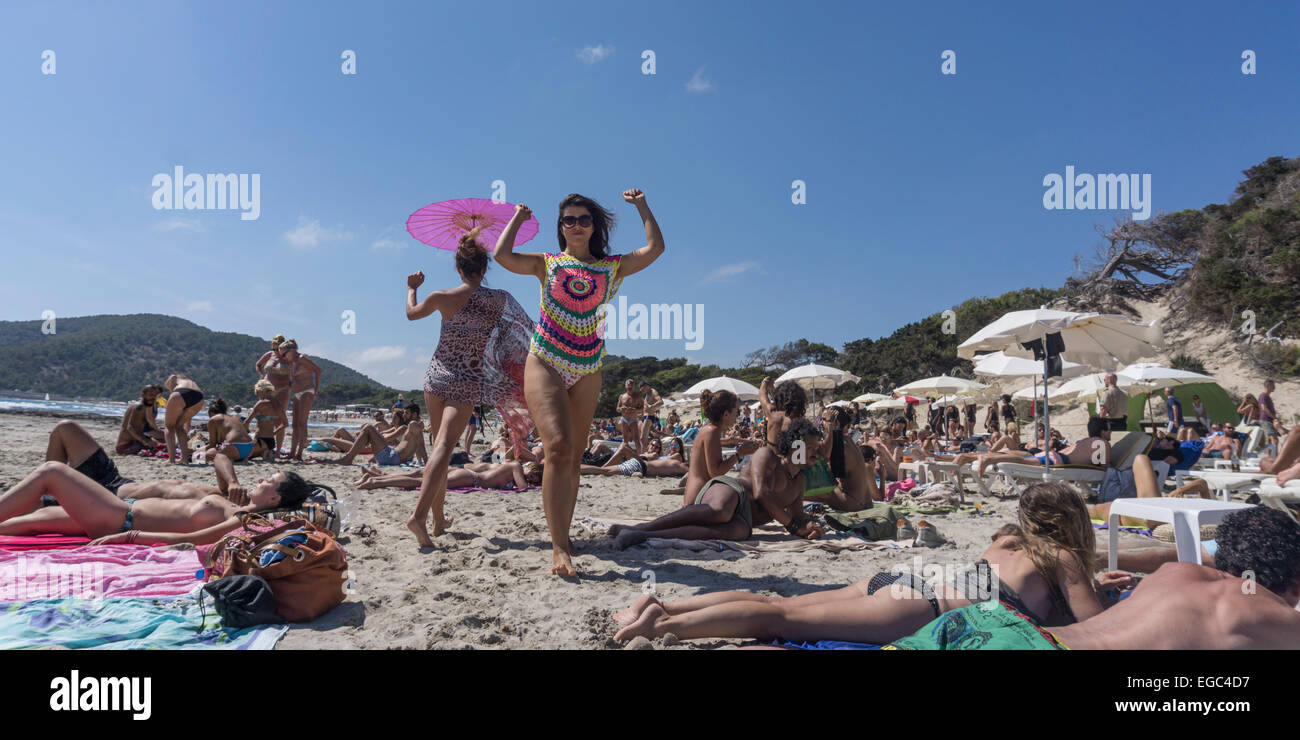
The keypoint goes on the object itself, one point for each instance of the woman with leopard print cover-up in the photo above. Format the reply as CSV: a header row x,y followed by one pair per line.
x,y
479,361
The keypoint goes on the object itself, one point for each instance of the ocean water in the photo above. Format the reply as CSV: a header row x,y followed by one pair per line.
x,y
115,410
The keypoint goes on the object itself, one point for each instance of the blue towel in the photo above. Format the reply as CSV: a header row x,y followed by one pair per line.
x,y
827,645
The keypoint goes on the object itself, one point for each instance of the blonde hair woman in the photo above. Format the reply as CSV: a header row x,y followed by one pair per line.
x,y
272,367
270,416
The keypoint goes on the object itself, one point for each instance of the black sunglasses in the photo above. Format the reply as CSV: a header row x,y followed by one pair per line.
x,y
570,221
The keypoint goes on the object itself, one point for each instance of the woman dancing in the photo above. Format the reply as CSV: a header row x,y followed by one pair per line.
x,y
1042,567
184,402
479,360
562,375
273,368
304,385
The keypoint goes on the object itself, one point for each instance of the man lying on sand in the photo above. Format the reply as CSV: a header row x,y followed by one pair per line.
x,y
1182,606
160,513
727,508
1043,566
472,475
140,430
410,447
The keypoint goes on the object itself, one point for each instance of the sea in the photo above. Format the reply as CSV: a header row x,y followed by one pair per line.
x,y
116,409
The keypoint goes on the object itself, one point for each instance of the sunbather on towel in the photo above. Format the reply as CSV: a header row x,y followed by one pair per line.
x,y
1043,566
727,508
87,508
1093,450
71,444
1182,606
653,464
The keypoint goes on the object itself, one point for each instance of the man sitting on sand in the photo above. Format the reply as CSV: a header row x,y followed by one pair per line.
x,y
1092,450
726,508
1182,606
140,425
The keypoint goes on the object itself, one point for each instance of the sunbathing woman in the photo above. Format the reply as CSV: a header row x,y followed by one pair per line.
x,y
562,375
501,476
88,508
270,418
273,368
228,436
184,402
479,361
721,409
1042,567
304,387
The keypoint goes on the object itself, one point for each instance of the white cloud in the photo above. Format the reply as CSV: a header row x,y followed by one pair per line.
x,y
198,306
593,54
179,224
730,271
373,355
385,242
699,83
310,234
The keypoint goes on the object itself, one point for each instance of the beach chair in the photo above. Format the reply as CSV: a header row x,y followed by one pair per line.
x,y
1255,440
1277,497
1123,452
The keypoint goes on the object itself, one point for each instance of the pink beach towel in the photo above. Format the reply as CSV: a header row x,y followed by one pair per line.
x,y
94,572
41,542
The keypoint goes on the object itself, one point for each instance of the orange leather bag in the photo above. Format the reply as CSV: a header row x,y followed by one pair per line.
x,y
310,579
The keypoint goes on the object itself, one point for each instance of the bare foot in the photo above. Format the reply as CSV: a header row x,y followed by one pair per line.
x,y
628,538
630,614
563,565
614,529
421,534
644,626
1289,474
440,525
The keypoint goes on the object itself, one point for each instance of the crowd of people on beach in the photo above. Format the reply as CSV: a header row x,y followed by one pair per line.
x,y
736,467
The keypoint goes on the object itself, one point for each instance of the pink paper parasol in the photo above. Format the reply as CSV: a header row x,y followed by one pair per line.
x,y
442,224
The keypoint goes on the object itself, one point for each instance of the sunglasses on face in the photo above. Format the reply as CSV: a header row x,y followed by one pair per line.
x,y
570,221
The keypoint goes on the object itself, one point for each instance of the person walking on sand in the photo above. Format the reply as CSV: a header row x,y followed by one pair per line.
x,y
479,361
562,373
184,402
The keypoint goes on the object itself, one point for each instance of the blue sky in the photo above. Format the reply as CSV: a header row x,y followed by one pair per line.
x,y
913,178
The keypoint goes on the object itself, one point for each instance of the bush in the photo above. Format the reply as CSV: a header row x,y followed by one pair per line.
x,y
1188,363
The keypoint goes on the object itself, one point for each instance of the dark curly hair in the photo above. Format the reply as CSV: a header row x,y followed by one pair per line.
x,y
602,222
790,399
1263,541
798,429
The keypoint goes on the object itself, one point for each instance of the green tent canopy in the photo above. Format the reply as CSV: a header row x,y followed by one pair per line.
x,y
1218,405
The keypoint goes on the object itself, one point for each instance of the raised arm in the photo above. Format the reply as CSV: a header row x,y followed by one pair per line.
x,y
416,308
635,262
504,253
227,481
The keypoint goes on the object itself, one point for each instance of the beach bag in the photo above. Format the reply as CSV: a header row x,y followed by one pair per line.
x,y
305,567
874,524
243,601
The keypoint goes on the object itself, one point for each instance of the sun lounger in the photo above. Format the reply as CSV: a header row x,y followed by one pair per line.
x,y
1123,451
1275,496
1225,482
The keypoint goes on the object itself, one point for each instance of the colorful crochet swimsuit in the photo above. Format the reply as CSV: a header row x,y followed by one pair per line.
x,y
569,335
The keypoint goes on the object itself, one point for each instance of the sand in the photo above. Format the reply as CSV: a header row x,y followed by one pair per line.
x,y
489,583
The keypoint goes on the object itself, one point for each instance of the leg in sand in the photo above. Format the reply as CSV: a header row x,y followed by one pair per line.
x,y
70,443
302,401
704,601
714,518
85,507
562,417
986,459
175,431
369,435
878,618
451,419
1146,557
282,397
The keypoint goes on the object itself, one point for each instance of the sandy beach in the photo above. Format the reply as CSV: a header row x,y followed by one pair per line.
x,y
489,583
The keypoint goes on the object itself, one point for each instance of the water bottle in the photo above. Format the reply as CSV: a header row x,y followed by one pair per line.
x,y
346,509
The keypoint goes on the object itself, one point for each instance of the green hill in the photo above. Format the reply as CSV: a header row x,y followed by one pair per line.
x,y
113,356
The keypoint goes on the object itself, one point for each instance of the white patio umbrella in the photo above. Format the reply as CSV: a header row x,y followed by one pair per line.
x,y
870,397
1000,365
813,376
1090,338
888,403
939,385
1086,387
742,389
838,403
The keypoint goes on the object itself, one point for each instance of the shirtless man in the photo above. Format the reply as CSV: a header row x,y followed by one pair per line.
x,y
653,464
1225,446
632,407
140,429
411,446
857,489
1182,606
653,405
770,488
1092,450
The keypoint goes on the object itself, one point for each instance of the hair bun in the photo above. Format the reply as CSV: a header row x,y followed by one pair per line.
x,y
471,257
